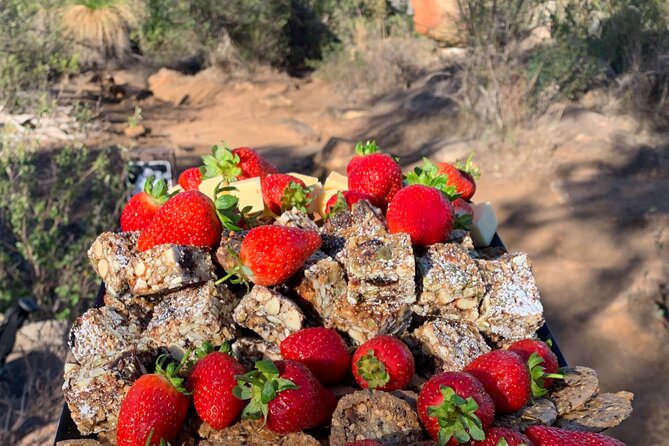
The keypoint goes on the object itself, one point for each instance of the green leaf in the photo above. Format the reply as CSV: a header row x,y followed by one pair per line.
x,y
267,367
366,148
268,392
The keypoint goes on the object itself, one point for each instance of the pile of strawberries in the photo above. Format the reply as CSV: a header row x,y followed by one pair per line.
x,y
291,394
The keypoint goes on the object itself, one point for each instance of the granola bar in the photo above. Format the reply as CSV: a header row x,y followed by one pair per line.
x,y
374,415
541,412
248,350
452,344
251,433
380,268
365,320
227,254
449,283
189,317
319,284
136,308
94,393
270,314
577,387
602,412
168,267
100,334
511,309
110,255
294,218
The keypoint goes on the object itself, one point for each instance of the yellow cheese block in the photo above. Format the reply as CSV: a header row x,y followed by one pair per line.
x,y
208,186
249,193
336,181
308,181
323,200
175,190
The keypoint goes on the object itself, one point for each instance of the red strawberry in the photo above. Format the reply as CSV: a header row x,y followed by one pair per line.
x,y
542,362
383,363
462,176
553,436
506,378
286,394
342,201
363,443
140,209
377,175
211,382
252,164
495,435
190,178
461,207
322,350
281,192
423,212
188,218
454,408
361,150
155,405
270,254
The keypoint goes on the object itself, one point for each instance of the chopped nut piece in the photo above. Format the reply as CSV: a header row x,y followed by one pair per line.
x,y
189,317
248,350
167,268
136,308
251,433
577,387
94,393
380,269
541,411
294,218
319,284
451,344
368,319
449,283
602,412
374,415
110,255
100,334
270,314
511,309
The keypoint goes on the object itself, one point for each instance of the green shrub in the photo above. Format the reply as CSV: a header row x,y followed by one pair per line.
x,y
54,205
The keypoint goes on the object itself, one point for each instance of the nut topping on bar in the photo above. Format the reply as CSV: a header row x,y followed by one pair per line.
x,y
319,285
110,255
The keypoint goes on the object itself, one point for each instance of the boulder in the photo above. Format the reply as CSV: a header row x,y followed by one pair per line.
x,y
439,20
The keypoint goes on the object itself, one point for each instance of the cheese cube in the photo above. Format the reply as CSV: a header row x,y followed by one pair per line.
x,y
249,193
484,224
208,186
323,199
308,181
336,181
175,190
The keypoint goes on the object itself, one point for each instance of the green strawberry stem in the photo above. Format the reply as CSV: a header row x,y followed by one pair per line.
x,y
428,175
162,440
339,205
221,162
259,387
469,167
171,371
295,197
366,148
238,273
457,418
157,189
539,375
206,348
463,221
372,370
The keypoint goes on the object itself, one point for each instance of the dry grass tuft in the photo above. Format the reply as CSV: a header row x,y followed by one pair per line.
x,y
101,28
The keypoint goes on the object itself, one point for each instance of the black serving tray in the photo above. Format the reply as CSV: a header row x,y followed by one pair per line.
x,y
67,430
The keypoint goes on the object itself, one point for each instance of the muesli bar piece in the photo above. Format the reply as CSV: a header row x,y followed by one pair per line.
x,y
270,314
511,309
166,268
448,275
381,268
452,344
100,334
94,393
251,433
374,415
227,254
365,320
136,308
248,350
603,411
110,255
189,317
294,218
319,285
579,385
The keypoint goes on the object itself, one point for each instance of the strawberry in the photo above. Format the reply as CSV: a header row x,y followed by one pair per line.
x,y
454,408
363,443
542,362
503,436
322,350
211,382
361,150
506,378
188,218
281,192
553,436
190,178
286,395
252,164
423,212
462,176
342,201
270,254
155,405
140,209
377,175
464,214
383,363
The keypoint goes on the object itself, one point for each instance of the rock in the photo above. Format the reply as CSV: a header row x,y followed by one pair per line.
x,y
276,100
439,20
602,412
172,86
135,131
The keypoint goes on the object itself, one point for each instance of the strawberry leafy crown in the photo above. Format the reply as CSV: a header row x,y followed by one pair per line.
x,y
157,189
227,209
456,418
163,442
171,371
339,205
223,162
428,175
259,387
206,348
539,375
295,196
502,442
238,273
469,167
366,148
372,370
